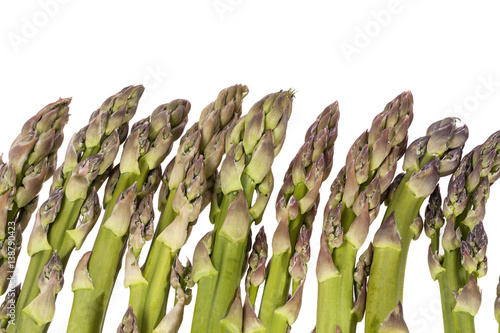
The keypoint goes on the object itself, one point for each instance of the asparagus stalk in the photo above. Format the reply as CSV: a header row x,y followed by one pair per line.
x,y
463,208
149,143
296,208
33,157
435,155
353,204
91,300
254,142
89,157
182,282
186,183
256,273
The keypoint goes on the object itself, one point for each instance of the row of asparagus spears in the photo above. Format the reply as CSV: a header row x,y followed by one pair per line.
x,y
225,160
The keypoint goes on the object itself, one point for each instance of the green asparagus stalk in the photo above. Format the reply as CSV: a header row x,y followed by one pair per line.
x,y
145,149
254,142
186,182
296,208
353,204
182,282
33,157
91,300
88,160
427,159
463,208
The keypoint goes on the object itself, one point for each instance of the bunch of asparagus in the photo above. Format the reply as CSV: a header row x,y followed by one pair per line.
x,y
225,160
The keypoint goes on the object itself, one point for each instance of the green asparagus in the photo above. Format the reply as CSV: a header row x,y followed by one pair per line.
x,y
254,142
33,157
463,208
296,209
88,160
353,204
426,160
185,186
147,146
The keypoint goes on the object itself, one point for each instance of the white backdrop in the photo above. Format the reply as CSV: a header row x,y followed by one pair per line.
x,y
360,53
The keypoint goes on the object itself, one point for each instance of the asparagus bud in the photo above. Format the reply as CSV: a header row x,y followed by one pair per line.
x,y
129,322
89,213
473,252
50,282
41,136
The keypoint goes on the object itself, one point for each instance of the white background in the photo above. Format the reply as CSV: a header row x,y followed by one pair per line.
x,y
360,53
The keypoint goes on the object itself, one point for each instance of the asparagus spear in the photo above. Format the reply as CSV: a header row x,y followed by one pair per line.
x,y
33,157
353,204
463,208
33,153
435,155
186,183
89,157
254,142
147,146
296,208
90,301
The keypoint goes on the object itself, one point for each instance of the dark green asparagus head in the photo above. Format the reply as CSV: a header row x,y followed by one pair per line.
x,y
311,166
434,218
256,273
469,185
151,139
109,122
141,225
221,114
473,252
206,137
370,167
40,138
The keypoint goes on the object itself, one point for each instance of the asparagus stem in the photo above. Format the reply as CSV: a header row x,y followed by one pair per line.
x,y
197,159
448,302
297,205
255,141
156,306
464,241
353,204
88,160
437,154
